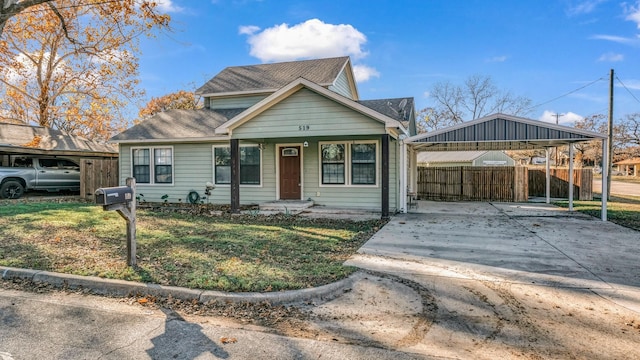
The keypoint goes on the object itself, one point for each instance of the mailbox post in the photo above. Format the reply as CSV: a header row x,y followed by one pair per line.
x,y
123,200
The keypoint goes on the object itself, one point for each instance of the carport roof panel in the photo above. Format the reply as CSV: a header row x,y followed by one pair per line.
x,y
501,132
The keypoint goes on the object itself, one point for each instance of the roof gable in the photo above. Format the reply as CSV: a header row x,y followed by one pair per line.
x,y
271,77
293,87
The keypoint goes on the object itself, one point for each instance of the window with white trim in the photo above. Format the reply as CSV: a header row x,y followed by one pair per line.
x,y
352,163
153,165
250,165
333,163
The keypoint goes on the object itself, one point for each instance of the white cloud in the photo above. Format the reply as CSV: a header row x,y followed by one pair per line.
x,y
364,73
618,39
584,7
631,84
248,30
168,6
633,13
567,119
502,58
611,57
310,39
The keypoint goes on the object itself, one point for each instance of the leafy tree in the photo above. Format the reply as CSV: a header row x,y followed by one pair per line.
x,y
632,126
478,96
185,100
74,68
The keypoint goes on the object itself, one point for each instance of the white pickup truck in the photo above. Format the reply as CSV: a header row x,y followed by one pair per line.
x,y
38,173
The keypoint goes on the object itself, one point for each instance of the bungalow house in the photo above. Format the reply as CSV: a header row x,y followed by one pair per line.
x,y
292,131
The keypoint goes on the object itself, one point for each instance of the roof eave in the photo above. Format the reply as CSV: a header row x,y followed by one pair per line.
x,y
170,140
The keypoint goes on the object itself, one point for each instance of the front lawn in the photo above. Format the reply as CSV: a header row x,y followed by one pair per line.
x,y
622,210
181,248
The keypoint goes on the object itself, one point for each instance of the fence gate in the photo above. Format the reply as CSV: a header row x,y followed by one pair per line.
x,y
97,173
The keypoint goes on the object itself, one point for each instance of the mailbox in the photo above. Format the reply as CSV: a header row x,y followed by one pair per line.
x,y
114,195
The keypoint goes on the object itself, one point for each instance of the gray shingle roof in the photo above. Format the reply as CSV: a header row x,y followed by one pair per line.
x,y
273,76
178,124
397,109
17,136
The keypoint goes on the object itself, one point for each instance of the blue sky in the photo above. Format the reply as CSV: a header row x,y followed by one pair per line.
x,y
538,49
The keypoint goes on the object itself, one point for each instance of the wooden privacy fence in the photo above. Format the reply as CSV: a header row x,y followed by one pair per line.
x,y
473,183
559,187
97,173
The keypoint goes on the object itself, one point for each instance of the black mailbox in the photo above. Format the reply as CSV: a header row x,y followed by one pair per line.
x,y
114,195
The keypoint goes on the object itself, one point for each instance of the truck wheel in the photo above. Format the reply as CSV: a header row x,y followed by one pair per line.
x,y
11,190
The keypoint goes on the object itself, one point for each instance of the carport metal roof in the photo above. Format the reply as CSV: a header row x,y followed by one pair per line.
x,y
500,132
506,132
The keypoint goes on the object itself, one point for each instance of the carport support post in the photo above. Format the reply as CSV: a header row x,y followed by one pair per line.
x,y
570,176
547,176
605,166
131,224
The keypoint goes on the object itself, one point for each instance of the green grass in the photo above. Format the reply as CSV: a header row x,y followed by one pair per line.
x,y
229,253
622,210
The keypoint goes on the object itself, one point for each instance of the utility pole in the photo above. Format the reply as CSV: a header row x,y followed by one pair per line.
x,y
610,135
556,150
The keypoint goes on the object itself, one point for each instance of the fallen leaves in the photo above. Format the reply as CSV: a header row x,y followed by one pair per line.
x,y
228,340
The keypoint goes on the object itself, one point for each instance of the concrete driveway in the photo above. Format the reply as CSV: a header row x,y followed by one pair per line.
x,y
531,243
515,280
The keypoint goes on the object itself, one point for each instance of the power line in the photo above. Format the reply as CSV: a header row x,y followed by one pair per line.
x,y
569,93
626,88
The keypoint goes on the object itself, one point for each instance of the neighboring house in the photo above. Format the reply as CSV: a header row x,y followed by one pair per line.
x,y
464,158
629,166
275,132
21,140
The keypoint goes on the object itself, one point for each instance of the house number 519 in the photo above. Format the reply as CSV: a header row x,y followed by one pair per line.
x,y
303,127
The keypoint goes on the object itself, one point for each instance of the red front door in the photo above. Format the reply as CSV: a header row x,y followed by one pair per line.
x,y
290,173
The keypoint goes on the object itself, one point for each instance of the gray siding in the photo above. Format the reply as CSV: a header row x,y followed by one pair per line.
x,y
341,86
306,113
239,102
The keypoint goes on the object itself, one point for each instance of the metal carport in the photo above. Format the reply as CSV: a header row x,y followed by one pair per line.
x,y
500,132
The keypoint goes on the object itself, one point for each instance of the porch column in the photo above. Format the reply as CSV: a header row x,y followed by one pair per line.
x,y
385,176
235,176
571,177
403,175
605,167
547,176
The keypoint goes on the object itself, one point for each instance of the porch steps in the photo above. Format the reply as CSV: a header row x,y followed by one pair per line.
x,y
286,206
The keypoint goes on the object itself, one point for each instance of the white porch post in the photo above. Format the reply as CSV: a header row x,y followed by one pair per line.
x,y
605,168
571,177
403,176
414,171
548,176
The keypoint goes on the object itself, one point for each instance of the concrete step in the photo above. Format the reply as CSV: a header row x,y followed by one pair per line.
x,y
292,206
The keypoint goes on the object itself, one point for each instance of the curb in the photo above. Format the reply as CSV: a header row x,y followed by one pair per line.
x,y
101,286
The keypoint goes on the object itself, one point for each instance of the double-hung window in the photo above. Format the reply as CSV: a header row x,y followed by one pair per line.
x,y
333,163
349,163
250,165
152,165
